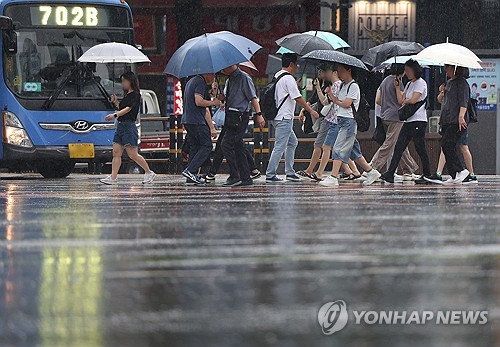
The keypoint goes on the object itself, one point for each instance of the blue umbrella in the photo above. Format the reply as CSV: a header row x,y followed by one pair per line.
x,y
210,53
335,41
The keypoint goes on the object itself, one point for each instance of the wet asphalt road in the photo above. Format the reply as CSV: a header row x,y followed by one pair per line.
x,y
168,265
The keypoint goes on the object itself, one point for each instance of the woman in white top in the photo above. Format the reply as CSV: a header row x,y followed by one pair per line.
x,y
414,127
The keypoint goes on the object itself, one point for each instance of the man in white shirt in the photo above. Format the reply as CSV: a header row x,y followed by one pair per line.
x,y
287,96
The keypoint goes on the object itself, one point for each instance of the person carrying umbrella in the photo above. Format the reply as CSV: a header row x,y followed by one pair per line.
x,y
127,136
454,98
218,156
387,98
240,93
287,95
346,145
197,121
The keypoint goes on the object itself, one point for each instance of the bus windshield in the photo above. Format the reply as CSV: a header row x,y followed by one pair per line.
x,y
50,39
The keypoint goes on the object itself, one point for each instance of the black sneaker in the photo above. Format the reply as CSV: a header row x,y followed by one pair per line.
x,y
387,178
245,183
232,182
470,180
255,175
421,181
293,178
436,179
209,177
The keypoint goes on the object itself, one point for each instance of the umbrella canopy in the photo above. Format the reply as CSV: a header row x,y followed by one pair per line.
x,y
402,60
335,41
378,54
335,57
303,43
249,65
113,52
210,53
450,54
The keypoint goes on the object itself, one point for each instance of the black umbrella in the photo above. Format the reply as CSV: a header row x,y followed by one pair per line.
x,y
303,43
336,57
378,54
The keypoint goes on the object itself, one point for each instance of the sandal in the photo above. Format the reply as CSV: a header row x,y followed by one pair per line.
x,y
304,174
352,177
315,178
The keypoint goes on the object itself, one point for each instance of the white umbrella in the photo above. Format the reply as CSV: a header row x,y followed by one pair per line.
x,y
450,54
402,60
113,52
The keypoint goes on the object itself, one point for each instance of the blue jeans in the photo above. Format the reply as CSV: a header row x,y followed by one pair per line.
x,y
286,142
200,146
346,146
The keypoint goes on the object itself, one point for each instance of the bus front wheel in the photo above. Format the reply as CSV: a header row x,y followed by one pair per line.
x,y
55,169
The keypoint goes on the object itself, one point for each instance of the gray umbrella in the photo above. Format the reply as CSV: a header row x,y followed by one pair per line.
x,y
303,43
336,57
378,54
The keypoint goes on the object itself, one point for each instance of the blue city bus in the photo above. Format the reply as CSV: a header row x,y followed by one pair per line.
x,y
53,107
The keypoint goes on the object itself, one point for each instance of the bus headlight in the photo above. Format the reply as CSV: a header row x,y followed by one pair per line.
x,y
14,132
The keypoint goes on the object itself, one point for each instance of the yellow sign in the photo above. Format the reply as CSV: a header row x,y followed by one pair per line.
x,y
81,150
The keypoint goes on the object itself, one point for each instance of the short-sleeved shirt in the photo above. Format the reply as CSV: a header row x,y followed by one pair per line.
x,y
332,115
389,100
132,100
456,95
192,113
240,91
286,88
349,91
418,86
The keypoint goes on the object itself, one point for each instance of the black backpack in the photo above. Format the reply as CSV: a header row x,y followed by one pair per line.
x,y
362,114
268,102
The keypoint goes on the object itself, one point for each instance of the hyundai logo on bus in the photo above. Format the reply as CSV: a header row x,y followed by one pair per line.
x,y
81,125
333,316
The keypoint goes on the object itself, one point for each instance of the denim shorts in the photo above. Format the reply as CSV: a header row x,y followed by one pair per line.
x,y
126,134
464,139
346,146
331,136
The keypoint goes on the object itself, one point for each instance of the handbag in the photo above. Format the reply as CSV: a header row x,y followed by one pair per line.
x,y
379,135
307,127
409,110
472,110
219,117
326,109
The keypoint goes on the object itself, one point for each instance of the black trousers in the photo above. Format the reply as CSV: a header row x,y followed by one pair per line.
x,y
449,140
219,156
411,131
235,126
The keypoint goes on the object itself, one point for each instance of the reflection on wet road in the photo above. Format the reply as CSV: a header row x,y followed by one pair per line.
x,y
166,265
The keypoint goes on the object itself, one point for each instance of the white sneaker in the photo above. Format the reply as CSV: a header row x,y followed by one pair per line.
x,y
398,178
109,181
461,176
448,182
330,181
410,177
371,177
149,178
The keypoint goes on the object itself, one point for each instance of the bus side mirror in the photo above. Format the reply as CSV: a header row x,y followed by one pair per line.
x,y
6,23
9,36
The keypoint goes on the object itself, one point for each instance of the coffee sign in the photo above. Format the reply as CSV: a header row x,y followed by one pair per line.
x,y
373,23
